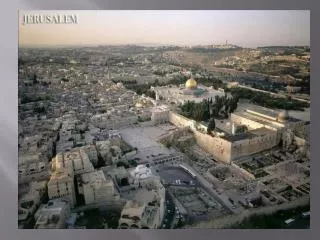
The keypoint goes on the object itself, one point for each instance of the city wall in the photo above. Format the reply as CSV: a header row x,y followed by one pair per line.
x,y
180,120
254,145
227,151
216,146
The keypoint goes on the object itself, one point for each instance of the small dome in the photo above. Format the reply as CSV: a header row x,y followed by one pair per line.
x,y
141,172
191,83
139,105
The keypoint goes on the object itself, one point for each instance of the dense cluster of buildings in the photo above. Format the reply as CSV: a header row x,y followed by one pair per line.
x,y
87,142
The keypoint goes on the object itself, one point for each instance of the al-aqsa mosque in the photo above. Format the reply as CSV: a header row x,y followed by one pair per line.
x,y
190,91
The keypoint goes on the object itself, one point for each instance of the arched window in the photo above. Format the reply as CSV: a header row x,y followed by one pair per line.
x,y
124,226
134,226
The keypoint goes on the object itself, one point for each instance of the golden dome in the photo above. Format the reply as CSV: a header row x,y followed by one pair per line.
x,y
191,83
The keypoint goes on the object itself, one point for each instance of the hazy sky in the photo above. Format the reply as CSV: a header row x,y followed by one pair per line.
x,y
244,28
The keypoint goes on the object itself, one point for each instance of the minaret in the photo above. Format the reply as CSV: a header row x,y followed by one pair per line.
x,y
233,129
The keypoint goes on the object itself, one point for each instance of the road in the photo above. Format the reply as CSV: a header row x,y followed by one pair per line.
x,y
171,174
223,200
169,215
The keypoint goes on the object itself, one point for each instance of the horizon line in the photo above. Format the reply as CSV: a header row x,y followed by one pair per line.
x,y
149,45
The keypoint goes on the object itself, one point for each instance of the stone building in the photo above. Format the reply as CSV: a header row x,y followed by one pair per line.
x,y
139,215
96,188
265,131
91,151
61,185
53,215
75,161
190,92
28,204
32,168
160,114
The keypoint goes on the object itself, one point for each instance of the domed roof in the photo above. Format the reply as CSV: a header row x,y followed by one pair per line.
x,y
191,83
141,172
283,116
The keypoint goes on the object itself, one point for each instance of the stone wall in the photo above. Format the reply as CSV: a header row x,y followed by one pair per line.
x,y
254,145
180,120
218,147
226,151
174,135
246,174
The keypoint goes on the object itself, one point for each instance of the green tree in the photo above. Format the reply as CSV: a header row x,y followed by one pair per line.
x,y
241,129
233,104
211,126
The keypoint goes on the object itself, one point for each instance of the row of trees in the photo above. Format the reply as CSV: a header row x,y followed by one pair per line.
x,y
28,98
266,100
207,109
139,88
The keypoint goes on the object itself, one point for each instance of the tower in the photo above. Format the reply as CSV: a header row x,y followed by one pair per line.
x,y
233,130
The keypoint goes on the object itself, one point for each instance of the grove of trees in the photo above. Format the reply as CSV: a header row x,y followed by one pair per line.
x,y
266,100
207,109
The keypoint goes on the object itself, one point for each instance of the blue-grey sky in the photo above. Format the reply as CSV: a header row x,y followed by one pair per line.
x,y
244,28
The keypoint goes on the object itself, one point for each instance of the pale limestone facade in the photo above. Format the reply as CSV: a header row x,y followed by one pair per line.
x,y
160,114
32,168
76,162
61,185
96,188
138,215
264,132
53,215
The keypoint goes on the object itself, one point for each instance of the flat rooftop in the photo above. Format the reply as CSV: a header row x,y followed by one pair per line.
x,y
273,113
247,135
239,137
